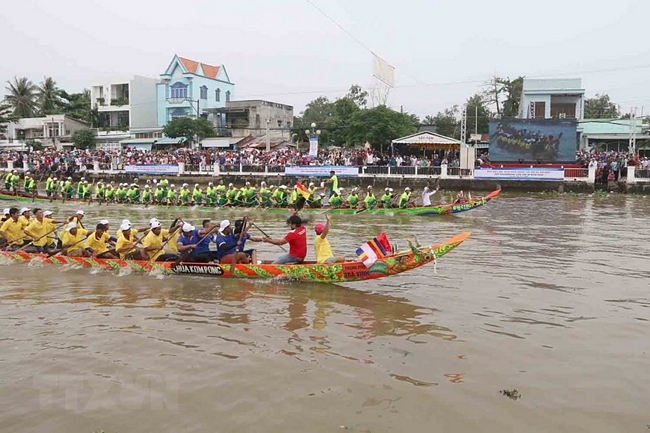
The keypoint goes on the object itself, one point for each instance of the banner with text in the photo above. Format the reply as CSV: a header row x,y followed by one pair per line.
x,y
520,173
151,169
321,170
313,146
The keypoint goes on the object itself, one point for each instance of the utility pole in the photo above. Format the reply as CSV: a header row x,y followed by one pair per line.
x,y
268,138
476,119
632,145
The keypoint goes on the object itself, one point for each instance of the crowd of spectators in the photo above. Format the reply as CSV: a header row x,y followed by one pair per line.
x,y
70,161
612,165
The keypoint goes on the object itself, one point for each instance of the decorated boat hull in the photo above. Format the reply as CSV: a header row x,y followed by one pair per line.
x,y
433,210
311,272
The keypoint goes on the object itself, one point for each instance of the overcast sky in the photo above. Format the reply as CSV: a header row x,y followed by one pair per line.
x,y
287,51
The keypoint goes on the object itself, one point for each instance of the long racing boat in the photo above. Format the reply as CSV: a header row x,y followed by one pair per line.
x,y
432,210
389,265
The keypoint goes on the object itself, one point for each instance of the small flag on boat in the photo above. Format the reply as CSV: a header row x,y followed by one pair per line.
x,y
374,249
303,190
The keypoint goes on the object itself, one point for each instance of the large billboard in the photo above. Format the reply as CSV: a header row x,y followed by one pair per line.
x,y
531,140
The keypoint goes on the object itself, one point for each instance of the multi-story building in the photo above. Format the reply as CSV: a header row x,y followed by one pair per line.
x,y
190,88
552,98
54,130
126,103
253,117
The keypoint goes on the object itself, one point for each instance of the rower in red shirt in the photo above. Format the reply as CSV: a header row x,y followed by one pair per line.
x,y
297,240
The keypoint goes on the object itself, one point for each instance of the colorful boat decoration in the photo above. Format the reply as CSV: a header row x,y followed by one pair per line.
x,y
310,272
433,210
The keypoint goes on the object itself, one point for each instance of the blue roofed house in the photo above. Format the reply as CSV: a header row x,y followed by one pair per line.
x,y
188,87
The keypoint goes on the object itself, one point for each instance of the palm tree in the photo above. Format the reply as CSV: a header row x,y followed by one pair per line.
x,y
49,101
22,97
429,120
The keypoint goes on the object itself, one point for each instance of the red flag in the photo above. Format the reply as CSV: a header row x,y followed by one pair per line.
x,y
303,190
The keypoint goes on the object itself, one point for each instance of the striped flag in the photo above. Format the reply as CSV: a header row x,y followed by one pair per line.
x,y
374,249
303,190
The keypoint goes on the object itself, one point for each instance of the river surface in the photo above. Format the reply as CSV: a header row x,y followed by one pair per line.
x,y
549,296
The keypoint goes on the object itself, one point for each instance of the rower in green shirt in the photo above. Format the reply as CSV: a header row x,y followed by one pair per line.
x,y
28,184
405,198
387,198
370,201
353,198
197,194
335,200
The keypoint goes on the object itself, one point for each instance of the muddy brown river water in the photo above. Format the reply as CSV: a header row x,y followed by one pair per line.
x,y
550,296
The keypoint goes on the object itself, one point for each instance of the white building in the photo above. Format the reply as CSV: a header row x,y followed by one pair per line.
x,y
553,98
126,104
53,130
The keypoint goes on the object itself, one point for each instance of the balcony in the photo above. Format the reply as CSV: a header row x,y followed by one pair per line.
x,y
119,102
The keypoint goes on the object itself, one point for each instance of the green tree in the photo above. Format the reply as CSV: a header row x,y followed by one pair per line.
x,y
21,97
48,97
447,123
318,111
357,95
189,127
505,95
600,107
83,139
78,105
478,117
429,121
339,123
379,126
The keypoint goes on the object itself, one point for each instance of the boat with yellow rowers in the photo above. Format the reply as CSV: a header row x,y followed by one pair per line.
x,y
389,265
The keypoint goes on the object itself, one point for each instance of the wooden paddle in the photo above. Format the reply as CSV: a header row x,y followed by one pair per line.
x,y
237,246
264,233
180,258
171,235
45,235
68,247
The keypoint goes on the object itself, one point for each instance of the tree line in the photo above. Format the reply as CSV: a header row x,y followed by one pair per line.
x,y
346,121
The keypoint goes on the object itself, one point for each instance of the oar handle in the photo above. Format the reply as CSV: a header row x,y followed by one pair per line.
x,y
264,233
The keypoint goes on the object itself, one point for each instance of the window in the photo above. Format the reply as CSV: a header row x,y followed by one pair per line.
x,y
178,112
217,95
228,96
204,92
178,91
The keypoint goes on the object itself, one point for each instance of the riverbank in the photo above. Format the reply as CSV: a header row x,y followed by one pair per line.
x,y
378,181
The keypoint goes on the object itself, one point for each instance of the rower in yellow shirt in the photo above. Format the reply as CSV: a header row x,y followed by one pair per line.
x,y
12,230
72,241
154,242
127,241
98,244
322,246
121,232
38,229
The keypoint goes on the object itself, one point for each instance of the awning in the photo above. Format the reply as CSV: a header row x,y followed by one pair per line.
x,y
132,141
427,138
168,140
216,142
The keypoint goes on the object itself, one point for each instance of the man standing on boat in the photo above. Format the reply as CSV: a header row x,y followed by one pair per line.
x,y
426,196
333,182
297,240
